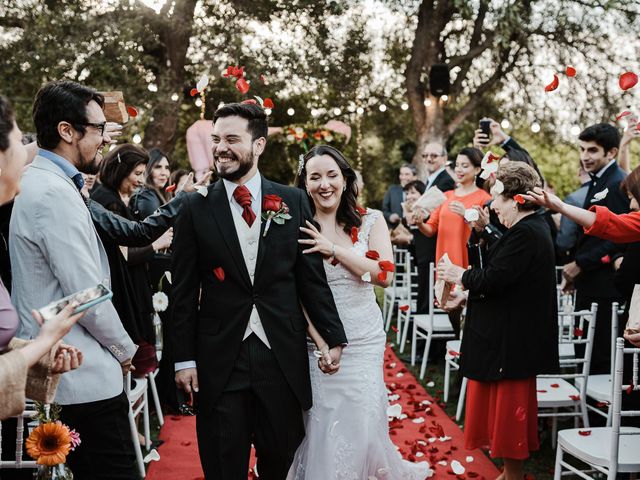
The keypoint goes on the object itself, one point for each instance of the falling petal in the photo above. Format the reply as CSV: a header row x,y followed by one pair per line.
x,y
628,80
622,115
203,82
570,71
242,85
132,111
553,85
193,92
606,259
403,308
219,273
171,188
204,191
268,103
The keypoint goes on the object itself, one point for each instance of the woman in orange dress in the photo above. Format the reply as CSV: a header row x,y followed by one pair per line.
x,y
447,221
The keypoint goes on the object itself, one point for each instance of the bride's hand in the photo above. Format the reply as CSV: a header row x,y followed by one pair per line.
x,y
319,243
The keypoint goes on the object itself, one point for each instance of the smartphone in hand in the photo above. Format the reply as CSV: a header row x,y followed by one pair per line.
x,y
485,126
86,299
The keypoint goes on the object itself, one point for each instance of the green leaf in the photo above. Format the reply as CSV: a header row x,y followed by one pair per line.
x,y
285,216
279,221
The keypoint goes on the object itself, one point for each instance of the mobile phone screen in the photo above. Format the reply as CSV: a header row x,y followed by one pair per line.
x,y
485,126
86,299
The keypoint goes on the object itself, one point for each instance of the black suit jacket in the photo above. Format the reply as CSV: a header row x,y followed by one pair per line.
x,y
392,203
511,329
444,182
596,277
210,316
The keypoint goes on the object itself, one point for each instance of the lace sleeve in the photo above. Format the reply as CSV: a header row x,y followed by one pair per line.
x,y
368,221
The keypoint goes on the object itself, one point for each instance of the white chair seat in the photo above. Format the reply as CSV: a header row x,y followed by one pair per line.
x,y
594,448
138,391
441,322
598,387
557,396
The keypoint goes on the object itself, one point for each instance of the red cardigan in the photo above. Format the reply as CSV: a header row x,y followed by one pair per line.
x,y
623,228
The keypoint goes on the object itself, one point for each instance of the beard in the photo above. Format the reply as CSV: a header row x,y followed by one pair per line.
x,y
244,165
90,167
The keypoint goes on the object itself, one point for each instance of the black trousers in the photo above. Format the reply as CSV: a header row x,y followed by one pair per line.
x,y
423,288
601,356
257,406
106,451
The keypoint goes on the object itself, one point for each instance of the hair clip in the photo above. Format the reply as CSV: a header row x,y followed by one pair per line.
x,y
119,159
300,164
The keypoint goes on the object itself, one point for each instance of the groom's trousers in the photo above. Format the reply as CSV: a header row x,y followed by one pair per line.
x,y
257,406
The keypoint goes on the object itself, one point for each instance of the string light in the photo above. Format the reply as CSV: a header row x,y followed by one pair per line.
x,y
535,127
383,108
198,102
505,123
427,102
359,110
444,98
575,130
175,97
137,138
314,112
404,106
337,111
152,87
267,111
291,112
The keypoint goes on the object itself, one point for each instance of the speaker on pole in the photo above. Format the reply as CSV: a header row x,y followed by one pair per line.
x,y
439,79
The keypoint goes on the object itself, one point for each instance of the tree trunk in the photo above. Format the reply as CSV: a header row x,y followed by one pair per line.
x,y
174,33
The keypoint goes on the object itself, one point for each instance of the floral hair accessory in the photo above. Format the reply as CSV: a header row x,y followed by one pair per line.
x,y
300,164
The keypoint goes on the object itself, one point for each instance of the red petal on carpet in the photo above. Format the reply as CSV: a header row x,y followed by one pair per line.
x,y
179,452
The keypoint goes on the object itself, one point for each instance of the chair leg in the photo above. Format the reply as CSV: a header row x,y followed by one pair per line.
x,y
414,343
154,394
405,332
447,375
423,366
554,429
389,315
557,471
585,413
145,420
463,393
136,444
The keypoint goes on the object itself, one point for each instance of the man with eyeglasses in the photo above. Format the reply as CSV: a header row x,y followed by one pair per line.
x,y
55,251
435,159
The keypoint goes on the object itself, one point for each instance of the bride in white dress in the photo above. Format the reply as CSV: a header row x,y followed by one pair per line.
x,y
347,430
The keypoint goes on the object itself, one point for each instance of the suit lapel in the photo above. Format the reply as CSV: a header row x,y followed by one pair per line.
x,y
267,189
221,211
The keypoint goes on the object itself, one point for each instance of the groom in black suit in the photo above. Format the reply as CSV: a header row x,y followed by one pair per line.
x,y
239,282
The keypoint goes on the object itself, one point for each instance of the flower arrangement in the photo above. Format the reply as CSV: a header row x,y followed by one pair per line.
x,y
307,136
50,443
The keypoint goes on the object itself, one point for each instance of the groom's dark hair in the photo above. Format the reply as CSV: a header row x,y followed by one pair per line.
x,y
255,115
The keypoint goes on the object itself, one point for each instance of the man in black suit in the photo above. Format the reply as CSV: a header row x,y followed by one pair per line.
x,y
393,198
592,271
239,282
435,160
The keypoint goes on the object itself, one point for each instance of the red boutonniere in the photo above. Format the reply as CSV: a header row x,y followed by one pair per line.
x,y
274,209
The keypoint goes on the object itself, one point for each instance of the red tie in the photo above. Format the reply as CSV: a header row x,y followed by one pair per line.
x,y
243,197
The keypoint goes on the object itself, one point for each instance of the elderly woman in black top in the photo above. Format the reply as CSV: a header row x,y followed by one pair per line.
x,y
510,333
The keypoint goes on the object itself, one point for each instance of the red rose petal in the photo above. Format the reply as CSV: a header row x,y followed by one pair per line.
x,y
219,273
242,85
171,188
622,115
629,389
334,262
553,85
555,385
387,266
584,433
354,234
394,328
132,111
578,332
570,71
372,254
403,308
519,198
361,210
606,259
602,404
193,92
382,276
541,391
268,103
575,398
628,80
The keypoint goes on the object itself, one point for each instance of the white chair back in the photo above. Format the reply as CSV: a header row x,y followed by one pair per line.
x,y
18,463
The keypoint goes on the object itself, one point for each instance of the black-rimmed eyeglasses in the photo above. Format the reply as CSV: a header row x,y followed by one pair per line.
x,y
99,126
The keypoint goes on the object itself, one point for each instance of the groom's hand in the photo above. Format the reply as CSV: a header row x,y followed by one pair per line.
x,y
187,380
330,363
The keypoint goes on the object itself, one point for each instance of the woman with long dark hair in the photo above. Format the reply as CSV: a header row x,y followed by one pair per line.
x,y
352,405
152,194
121,174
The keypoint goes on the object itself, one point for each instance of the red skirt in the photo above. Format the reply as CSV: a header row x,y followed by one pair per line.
x,y
502,416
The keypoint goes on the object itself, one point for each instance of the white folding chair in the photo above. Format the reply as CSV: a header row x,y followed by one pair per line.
x,y
18,463
138,403
452,362
555,391
435,324
607,450
399,290
600,387
410,301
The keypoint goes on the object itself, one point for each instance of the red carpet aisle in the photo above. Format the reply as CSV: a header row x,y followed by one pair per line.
x,y
423,432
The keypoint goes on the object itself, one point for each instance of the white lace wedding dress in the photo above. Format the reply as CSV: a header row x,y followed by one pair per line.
x,y
347,430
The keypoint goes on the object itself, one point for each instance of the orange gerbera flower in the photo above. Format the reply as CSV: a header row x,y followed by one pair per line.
x,y
49,444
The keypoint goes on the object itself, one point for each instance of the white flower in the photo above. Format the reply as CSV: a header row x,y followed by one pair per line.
x,y
160,301
202,190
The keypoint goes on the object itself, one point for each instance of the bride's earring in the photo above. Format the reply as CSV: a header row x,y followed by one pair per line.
x,y
344,188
